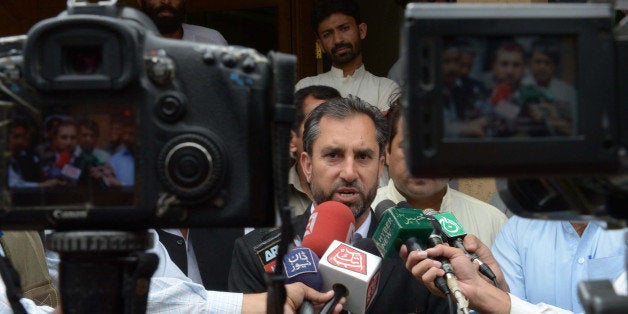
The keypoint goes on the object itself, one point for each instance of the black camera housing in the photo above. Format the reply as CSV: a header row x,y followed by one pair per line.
x,y
600,74
203,117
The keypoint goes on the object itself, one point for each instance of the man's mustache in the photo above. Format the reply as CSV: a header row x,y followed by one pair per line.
x,y
340,46
166,7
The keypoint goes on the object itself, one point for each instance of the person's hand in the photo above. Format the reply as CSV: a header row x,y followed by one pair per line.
x,y
536,112
423,268
482,295
51,183
507,110
475,127
473,245
298,292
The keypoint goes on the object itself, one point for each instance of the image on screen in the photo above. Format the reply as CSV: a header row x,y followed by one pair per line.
x,y
509,87
76,156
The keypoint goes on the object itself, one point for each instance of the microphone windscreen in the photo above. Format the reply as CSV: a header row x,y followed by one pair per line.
x,y
301,265
64,159
429,211
501,92
368,245
382,207
330,221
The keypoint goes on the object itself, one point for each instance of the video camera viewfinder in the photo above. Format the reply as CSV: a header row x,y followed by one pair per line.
x,y
512,89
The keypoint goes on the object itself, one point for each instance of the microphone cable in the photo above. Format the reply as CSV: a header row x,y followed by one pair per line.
x,y
458,243
452,282
484,269
413,244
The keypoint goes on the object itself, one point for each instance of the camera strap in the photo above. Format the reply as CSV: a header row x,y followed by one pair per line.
x,y
11,280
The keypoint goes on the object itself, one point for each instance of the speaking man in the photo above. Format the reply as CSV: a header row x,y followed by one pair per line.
x,y
344,142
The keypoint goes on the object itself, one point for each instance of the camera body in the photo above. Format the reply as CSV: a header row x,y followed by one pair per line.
x,y
190,126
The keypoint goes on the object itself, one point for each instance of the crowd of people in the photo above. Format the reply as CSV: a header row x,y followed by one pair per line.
x,y
517,94
69,152
347,134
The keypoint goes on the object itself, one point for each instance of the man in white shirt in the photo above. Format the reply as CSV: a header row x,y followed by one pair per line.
x,y
305,101
475,216
482,295
340,32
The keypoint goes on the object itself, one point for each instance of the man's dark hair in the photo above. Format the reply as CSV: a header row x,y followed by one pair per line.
x,y
546,47
392,117
19,122
62,124
90,125
316,91
508,46
340,109
324,8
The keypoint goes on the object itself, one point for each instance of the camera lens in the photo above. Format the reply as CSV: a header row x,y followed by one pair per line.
x,y
190,166
83,60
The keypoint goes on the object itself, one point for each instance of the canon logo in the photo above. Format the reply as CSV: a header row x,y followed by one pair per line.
x,y
69,214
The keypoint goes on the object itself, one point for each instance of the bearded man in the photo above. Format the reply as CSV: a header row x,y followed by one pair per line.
x,y
340,33
168,16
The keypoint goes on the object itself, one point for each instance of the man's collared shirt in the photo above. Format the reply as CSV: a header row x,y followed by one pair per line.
x,y
375,90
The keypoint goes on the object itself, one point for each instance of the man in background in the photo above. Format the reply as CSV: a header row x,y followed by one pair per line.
x,y
550,98
168,16
579,251
340,33
305,99
475,216
24,167
122,160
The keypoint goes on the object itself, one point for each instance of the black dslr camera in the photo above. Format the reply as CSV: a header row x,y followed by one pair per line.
x,y
111,126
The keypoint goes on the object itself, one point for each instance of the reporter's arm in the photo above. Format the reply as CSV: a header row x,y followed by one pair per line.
x,y
519,306
482,295
173,295
172,291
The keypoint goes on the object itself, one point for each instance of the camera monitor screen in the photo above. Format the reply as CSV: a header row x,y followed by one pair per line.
x,y
76,156
503,89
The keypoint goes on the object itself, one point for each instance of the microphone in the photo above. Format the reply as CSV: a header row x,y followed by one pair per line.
x,y
368,245
64,159
301,265
400,225
330,221
267,250
502,92
397,225
382,207
67,169
410,235
351,272
454,233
